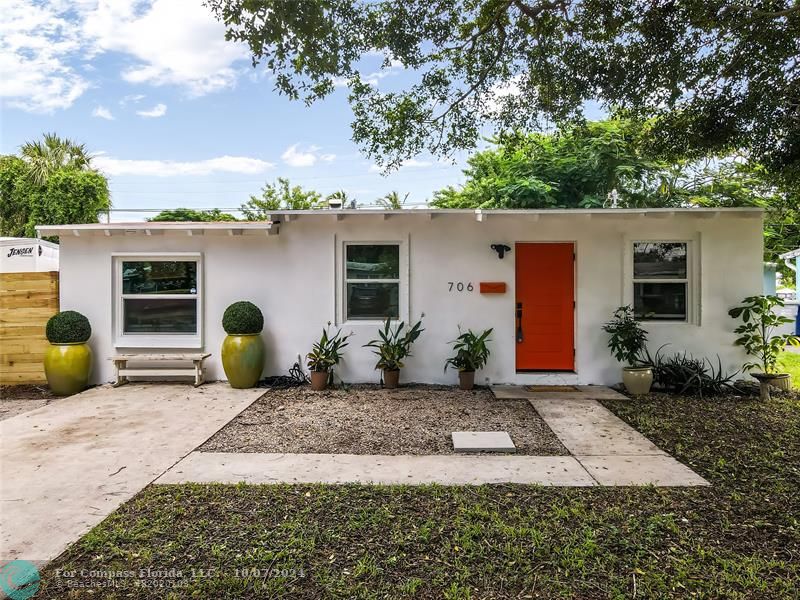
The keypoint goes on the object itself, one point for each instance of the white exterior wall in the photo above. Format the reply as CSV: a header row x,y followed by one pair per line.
x,y
295,278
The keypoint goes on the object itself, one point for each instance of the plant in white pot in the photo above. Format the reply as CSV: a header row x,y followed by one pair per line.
x,y
627,340
325,354
471,353
757,335
393,347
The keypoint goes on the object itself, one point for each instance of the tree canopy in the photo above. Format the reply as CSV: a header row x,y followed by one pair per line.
x,y
280,195
607,163
190,214
52,153
392,201
577,166
714,75
51,183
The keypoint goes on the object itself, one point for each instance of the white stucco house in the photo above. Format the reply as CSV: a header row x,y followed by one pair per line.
x,y
164,286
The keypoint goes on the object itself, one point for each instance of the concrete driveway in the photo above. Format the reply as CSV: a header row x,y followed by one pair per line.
x,y
64,467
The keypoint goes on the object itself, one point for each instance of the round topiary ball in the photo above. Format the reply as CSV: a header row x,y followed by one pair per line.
x,y
242,318
68,327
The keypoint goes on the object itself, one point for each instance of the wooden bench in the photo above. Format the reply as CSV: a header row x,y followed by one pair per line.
x,y
123,371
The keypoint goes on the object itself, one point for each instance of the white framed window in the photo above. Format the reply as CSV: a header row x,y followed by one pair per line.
x,y
372,281
158,300
662,278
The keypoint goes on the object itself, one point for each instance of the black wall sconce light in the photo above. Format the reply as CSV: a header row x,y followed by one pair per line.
x,y
501,249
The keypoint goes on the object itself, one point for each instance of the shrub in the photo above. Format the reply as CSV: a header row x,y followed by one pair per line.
x,y
242,318
68,327
627,338
471,351
757,333
686,375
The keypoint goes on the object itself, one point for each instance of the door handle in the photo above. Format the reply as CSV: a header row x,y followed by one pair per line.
x,y
519,323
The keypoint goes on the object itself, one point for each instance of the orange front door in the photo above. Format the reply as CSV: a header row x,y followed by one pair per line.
x,y
545,306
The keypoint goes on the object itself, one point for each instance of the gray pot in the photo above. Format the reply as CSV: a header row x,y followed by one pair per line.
x,y
782,381
637,380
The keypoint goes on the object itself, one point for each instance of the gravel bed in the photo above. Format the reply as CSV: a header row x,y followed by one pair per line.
x,y
18,399
370,420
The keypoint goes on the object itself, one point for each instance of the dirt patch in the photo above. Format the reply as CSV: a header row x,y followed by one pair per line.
x,y
371,420
17,399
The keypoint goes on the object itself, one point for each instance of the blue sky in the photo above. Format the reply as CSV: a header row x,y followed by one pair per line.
x,y
179,117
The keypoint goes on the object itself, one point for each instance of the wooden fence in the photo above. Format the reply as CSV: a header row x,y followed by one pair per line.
x,y
27,301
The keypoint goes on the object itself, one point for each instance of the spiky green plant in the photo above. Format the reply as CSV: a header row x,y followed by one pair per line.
x,y
394,344
471,351
327,351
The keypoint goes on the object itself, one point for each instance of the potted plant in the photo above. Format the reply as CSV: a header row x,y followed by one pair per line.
x,y
68,360
392,348
758,338
243,348
471,354
325,354
627,340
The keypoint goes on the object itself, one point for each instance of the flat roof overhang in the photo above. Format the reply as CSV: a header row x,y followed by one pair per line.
x,y
188,228
278,218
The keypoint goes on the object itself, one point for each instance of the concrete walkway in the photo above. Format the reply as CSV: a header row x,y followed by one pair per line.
x,y
612,451
67,465
446,469
605,451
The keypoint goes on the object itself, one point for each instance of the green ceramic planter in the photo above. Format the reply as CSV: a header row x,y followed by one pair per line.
x,y
67,367
243,359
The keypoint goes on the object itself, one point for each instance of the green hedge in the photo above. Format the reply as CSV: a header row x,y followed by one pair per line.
x,y
68,327
242,318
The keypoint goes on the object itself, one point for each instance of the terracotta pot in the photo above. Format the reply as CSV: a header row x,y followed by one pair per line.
x,y
781,381
319,380
391,379
67,368
637,380
243,359
466,380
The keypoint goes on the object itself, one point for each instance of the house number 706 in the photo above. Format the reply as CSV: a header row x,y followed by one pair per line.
x,y
459,286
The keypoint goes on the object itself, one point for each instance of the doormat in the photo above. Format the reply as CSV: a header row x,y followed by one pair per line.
x,y
551,388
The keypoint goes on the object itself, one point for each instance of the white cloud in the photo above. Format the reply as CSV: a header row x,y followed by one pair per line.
x,y
374,78
295,157
102,112
170,168
176,42
131,99
159,110
499,91
46,48
35,42
410,163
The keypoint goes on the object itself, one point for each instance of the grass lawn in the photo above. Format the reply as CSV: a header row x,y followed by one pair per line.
x,y
737,539
790,362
